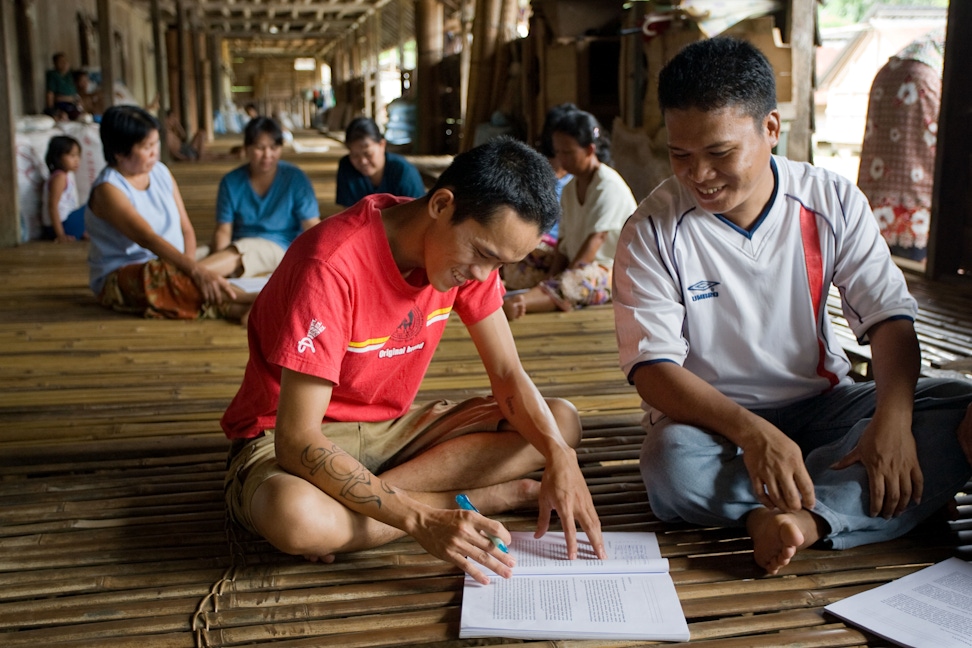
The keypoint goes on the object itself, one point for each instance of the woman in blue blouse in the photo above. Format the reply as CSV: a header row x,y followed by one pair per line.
x,y
261,207
369,169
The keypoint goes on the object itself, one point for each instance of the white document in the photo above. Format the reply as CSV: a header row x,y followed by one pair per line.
x,y
627,553
250,284
931,608
628,596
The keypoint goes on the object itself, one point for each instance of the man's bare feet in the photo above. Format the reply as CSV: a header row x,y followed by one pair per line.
x,y
328,559
515,307
777,536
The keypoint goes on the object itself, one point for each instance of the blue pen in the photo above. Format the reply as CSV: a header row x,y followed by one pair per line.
x,y
465,504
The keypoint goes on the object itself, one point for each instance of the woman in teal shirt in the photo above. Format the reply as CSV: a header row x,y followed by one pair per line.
x,y
261,206
369,169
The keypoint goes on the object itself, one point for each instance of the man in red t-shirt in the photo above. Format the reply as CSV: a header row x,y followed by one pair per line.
x,y
330,453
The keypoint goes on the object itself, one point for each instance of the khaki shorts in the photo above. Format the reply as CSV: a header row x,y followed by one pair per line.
x,y
258,256
378,446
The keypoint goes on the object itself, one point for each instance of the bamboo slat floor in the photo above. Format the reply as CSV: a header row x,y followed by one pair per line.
x,y
112,529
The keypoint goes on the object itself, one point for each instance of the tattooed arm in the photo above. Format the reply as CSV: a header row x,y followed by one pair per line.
x,y
563,487
304,451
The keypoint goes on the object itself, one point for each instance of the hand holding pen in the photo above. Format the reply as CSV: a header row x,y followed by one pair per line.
x,y
499,564
466,505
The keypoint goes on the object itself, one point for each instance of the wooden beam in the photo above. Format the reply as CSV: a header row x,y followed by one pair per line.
x,y
802,28
950,240
105,51
485,36
182,36
429,37
633,83
161,76
10,215
28,53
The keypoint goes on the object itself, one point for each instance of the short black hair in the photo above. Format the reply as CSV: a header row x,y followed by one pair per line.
x,y
584,127
261,124
503,172
361,128
58,146
716,73
122,127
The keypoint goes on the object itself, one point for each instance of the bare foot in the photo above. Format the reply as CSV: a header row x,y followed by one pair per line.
x,y
507,496
327,560
515,307
777,536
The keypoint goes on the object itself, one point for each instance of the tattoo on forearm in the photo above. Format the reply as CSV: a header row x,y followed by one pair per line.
x,y
356,482
509,405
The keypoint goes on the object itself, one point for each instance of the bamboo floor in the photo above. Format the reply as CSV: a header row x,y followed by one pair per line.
x,y
112,528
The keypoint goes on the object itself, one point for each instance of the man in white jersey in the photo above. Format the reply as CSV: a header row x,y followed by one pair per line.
x,y
721,281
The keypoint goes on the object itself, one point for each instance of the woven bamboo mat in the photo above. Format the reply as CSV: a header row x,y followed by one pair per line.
x,y
107,545
112,529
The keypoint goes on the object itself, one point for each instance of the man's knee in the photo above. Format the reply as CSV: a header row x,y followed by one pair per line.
x,y
676,462
568,420
939,393
288,512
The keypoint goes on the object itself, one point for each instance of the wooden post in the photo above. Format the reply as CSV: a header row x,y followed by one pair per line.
x,y
633,83
161,86
214,45
10,215
105,53
465,55
365,46
802,27
401,46
505,33
25,23
485,28
950,240
203,73
182,62
375,55
158,42
429,37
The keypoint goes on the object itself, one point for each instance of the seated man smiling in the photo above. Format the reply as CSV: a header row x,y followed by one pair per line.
x,y
330,452
721,282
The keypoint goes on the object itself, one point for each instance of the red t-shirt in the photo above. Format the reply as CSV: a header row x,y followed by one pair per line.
x,y
338,308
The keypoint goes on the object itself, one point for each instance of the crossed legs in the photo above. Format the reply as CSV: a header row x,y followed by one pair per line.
x,y
300,519
700,477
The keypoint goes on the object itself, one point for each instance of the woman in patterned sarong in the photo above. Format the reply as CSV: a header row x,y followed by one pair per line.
x,y
897,169
143,247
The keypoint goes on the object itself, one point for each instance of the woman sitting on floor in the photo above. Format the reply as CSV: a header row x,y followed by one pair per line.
x,y
261,206
368,169
142,254
595,205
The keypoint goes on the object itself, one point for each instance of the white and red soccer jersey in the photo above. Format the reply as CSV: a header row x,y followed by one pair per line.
x,y
338,308
746,311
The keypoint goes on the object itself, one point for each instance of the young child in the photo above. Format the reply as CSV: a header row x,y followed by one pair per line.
x,y
62,215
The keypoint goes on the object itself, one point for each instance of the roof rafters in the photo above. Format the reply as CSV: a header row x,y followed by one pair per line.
x,y
292,27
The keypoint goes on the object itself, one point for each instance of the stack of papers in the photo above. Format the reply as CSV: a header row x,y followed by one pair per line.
x,y
931,608
628,596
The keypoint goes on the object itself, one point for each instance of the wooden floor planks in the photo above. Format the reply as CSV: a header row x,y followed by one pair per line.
x,y
112,528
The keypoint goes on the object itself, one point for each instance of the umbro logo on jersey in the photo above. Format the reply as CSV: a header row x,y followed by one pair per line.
x,y
307,342
704,290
